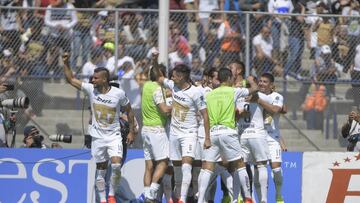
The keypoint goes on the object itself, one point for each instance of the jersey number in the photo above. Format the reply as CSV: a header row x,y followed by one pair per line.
x,y
247,119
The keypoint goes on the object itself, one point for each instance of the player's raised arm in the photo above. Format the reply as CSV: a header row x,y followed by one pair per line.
x,y
68,72
155,66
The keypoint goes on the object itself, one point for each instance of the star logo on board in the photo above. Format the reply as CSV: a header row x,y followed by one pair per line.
x,y
336,164
357,157
347,159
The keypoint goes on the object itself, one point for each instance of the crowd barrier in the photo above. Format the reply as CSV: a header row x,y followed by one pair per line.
x,y
31,175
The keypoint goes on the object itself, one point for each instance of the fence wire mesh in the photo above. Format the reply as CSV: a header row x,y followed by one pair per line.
x,y
294,48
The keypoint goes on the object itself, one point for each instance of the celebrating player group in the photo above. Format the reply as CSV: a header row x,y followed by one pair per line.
x,y
224,125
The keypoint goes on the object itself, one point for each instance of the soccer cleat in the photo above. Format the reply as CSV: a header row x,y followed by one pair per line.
x,y
226,199
111,199
248,200
279,199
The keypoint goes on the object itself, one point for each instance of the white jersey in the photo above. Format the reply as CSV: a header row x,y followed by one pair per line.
x,y
186,104
204,91
105,110
252,126
271,121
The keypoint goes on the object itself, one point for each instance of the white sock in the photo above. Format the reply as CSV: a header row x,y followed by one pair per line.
x,y
177,179
147,192
100,184
115,179
186,180
205,176
241,176
278,180
195,179
256,183
154,187
263,180
228,180
210,192
166,181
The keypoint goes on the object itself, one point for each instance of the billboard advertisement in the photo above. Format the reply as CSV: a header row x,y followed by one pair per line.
x,y
331,177
46,175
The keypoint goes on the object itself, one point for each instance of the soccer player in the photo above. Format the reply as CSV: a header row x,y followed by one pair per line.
x,y
106,102
223,134
272,117
253,137
187,101
155,140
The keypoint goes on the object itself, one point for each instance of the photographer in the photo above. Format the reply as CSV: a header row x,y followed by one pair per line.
x,y
33,139
351,131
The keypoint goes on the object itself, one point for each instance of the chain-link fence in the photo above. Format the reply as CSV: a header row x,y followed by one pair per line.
x,y
305,49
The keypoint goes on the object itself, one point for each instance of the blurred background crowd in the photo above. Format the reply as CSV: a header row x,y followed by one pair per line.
x,y
320,50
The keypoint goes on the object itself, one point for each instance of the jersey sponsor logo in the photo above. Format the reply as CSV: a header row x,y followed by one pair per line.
x,y
105,101
179,98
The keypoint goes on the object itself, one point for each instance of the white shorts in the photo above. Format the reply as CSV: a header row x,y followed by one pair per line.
x,y
200,144
226,146
199,151
103,149
255,149
182,147
274,150
155,143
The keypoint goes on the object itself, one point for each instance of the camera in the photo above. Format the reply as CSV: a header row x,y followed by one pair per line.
x,y
61,138
37,141
9,87
21,102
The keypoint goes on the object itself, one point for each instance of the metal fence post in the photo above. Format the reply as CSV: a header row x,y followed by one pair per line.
x,y
163,32
247,48
116,41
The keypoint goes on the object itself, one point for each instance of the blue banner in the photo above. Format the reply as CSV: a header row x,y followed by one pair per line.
x,y
39,175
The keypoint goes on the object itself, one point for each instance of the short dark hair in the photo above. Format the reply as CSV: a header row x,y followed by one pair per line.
x,y
152,74
224,74
184,70
211,71
102,69
268,76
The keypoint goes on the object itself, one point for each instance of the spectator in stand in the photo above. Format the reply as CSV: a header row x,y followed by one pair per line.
x,y
353,27
96,60
324,28
103,29
296,40
203,17
231,38
263,46
180,18
134,36
10,26
82,38
197,69
60,24
179,51
341,48
355,77
281,7
324,70
113,67
7,66
314,106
